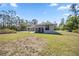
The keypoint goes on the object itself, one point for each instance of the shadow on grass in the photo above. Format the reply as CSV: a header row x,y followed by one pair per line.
x,y
54,33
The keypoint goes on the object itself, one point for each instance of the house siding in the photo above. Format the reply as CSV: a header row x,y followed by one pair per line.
x,y
51,30
41,28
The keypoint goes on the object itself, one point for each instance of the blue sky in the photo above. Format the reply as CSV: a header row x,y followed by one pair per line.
x,y
40,11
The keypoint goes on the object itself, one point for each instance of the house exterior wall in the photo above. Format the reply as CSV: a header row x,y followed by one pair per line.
x,y
37,28
51,30
42,28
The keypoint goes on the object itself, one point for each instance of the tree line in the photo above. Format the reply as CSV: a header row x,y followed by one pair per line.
x,y
72,21
9,19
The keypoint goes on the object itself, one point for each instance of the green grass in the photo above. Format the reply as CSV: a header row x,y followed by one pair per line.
x,y
14,36
65,44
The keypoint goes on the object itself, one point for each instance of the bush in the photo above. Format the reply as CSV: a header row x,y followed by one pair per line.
x,y
76,31
7,31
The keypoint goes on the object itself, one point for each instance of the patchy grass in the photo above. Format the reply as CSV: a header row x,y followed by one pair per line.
x,y
28,46
65,44
14,36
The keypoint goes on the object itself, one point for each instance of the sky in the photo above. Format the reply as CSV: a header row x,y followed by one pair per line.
x,y
52,12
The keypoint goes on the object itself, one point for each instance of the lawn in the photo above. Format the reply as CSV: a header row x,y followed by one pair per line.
x,y
14,36
65,44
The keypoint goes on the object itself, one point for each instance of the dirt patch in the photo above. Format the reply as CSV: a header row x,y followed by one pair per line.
x,y
25,47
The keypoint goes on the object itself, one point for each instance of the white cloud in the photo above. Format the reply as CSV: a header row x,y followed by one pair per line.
x,y
67,7
13,4
53,4
67,14
64,7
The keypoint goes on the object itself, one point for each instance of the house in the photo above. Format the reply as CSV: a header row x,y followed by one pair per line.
x,y
42,28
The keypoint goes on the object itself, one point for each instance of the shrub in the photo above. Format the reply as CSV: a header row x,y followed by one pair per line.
x,y
76,31
7,31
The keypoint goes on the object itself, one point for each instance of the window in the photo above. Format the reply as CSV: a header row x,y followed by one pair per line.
x,y
47,28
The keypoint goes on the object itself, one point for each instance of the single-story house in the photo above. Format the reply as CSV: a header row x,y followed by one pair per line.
x,y
42,28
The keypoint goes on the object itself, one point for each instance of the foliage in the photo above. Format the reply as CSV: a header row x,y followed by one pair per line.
x,y
74,9
10,20
76,31
72,22
23,26
7,31
61,25
34,21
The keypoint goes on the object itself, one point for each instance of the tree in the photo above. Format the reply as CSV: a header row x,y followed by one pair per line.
x,y
23,25
12,15
26,21
34,21
61,25
74,9
72,22
55,27
3,17
7,18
